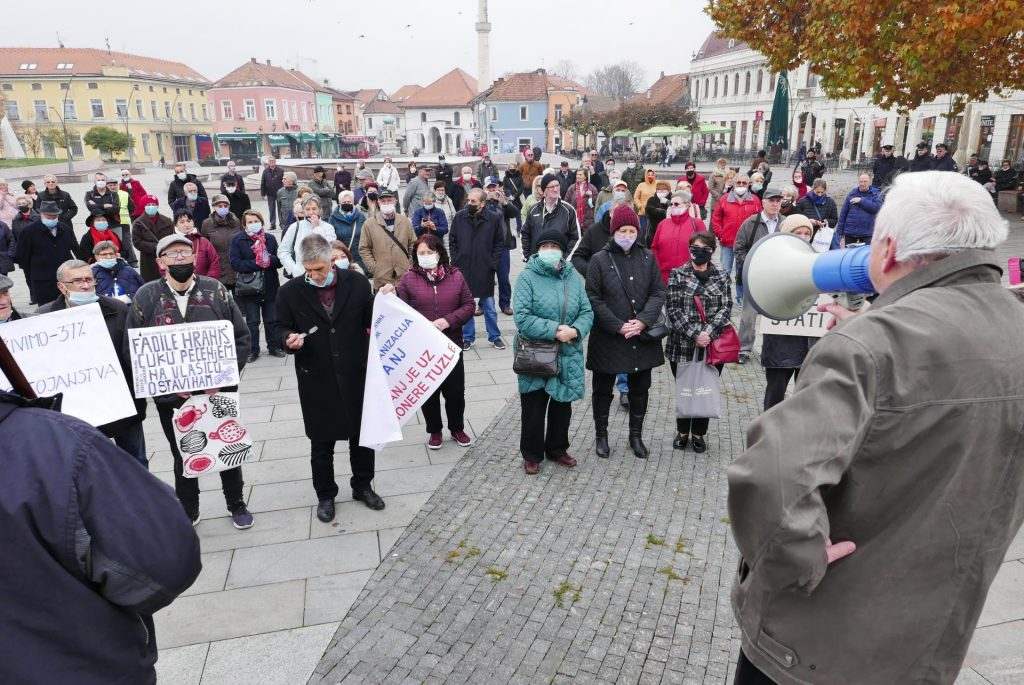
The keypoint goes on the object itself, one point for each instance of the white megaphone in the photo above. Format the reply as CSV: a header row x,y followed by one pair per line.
x,y
782,271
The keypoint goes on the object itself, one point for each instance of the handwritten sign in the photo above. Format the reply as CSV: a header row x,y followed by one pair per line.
x,y
183,357
812,323
407,362
70,352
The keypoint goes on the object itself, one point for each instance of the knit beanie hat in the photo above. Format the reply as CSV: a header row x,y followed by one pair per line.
x,y
793,222
547,180
623,215
553,235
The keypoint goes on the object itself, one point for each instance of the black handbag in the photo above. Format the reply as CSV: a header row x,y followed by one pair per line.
x,y
539,357
250,285
652,333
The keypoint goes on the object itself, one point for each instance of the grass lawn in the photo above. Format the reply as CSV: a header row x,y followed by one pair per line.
x,y
28,161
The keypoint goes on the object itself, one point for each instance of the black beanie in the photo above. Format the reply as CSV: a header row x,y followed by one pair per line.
x,y
552,235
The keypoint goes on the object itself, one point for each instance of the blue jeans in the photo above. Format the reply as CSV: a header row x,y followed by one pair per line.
x,y
728,258
490,321
622,383
133,441
504,285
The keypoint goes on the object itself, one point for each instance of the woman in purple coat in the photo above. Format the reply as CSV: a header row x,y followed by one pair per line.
x,y
437,290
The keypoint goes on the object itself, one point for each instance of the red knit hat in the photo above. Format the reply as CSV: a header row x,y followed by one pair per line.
x,y
623,215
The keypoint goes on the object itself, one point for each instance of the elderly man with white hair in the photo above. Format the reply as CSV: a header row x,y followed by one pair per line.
x,y
873,508
52,192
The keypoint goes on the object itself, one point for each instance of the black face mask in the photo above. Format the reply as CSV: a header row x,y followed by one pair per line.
x,y
701,255
372,196
473,209
346,206
691,173
181,272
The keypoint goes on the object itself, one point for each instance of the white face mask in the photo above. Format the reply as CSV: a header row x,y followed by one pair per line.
x,y
428,261
618,195
100,185
631,165
676,211
662,194
387,210
467,177
740,190
181,176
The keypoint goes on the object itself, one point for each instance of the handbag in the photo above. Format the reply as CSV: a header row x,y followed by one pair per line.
x,y
725,349
250,285
652,333
539,357
698,390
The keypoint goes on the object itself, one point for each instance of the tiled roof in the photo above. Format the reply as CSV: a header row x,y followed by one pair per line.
x,y
366,95
382,107
311,82
716,45
600,103
527,86
254,73
339,94
454,89
562,83
405,91
89,62
668,89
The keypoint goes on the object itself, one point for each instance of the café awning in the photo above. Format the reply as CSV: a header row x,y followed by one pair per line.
x,y
225,137
277,140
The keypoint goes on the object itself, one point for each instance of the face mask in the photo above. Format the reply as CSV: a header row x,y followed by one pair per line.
x,y
342,263
328,282
223,211
676,211
50,223
550,257
662,194
100,185
756,187
181,272
99,225
473,209
740,190
230,189
609,168
624,242
691,173
631,165
107,263
387,210
467,177
192,197
346,207
372,196
618,195
182,176
428,261
77,298
412,170
126,179
427,207
254,228
151,210
439,195
700,255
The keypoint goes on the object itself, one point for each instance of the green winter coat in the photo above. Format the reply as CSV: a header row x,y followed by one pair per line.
x,y
537,301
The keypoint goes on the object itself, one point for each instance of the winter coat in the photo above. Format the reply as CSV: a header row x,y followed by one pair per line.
x,y
631,290
39,253
285,198
200,209
716,186
656,211
288,251
8,249
107,202
512,184
20,221
644,192
146,233
234,179
77,547
730,211
243,261
238,202
324,191
475,244
207,261
220,232
588,206
435,215
633,177
785,351
857,220
882,170
812,170
921,163
752,230
562,217
485,169
414,192
824,212
699,188
537,301
342,181
176,188
1006,179
594,240
897,441
671,244
385,259
530,171
127,207
565,181
331,365
681,312
506,212
271,180
459,191
388,178
448,297
347,229
126,279
944,163
68,208
136,191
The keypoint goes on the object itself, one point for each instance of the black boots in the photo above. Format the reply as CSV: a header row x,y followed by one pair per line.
x,y
602,406
637,411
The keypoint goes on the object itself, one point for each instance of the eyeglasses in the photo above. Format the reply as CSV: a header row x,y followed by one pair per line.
x,y
678,204
81,282
178,254
742,183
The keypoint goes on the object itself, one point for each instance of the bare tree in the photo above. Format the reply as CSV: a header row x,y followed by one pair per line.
x,y
31,139
566,68
618,80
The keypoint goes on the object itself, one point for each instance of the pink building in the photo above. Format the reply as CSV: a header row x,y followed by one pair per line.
x,y
263,109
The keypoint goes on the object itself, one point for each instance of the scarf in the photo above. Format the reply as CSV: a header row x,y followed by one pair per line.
x,y
801,190
259,250
581,199
818,200
100,236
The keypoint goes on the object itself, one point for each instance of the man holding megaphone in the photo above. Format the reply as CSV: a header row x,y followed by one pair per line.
x,y
873,508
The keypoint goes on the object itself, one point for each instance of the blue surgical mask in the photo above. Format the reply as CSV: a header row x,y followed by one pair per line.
x,y
107,263
550,257
76,298
192,197
50,223
223,211
328,282
99,225
151,210
342,263
253,229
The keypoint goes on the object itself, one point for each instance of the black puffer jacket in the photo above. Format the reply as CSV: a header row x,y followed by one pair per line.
x,y
614,301
594,240
785,351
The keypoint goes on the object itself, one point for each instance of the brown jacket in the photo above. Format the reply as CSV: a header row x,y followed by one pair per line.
x,y
221,232
904,436
381,255
529,171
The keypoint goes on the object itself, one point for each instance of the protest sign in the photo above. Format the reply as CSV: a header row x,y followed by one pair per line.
x,y
210,434
70,352
183,357
811,323
407,361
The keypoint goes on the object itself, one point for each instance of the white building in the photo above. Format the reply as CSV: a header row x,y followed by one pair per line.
x,y
439,117
732,85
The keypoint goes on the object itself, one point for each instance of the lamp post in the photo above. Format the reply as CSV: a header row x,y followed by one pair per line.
x,y
127,104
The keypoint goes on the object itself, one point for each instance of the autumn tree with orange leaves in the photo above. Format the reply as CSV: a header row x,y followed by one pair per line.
x,y
900,53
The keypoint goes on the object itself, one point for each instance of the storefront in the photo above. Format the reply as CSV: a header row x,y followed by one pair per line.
x,y
244,147
277,141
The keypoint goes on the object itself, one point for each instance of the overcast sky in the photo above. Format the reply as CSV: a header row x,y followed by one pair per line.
x,y
322,36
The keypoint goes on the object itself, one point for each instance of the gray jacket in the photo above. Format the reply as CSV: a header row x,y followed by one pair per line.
x,y
414,192
903,436
324,190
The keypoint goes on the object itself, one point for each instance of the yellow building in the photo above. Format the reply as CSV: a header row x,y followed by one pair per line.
x,y
162,104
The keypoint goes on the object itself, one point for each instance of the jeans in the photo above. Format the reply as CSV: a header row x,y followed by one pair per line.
x,y
534,442
490,321
132,440
252,308
504,285
622,383
187,489
454,390
272,211
321,459
777,380
728,259
689,425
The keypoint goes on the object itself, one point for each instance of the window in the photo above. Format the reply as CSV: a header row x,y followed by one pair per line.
x,y
206,113
135,87
37,86
305,116
337,109
70,112
181,111
65,85
1015,137
92,85
456,119
97,108
295,111
27,66
11,108
725,86
716,88
160,144
494,113
177,91
736,83
928,129
7,86
122,108
525,143
812,79
746,86
369,122
189,91
140,112
145,143
270,109
75,141
192,111
250,110
524,112
771,84
152,90
558,113
706,83
167,110
348,109
165,89
153,110
40,109
65,65
423,117
760,80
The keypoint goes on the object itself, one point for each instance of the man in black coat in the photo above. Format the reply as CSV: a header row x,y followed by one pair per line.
x,y
324,320
565,178
476,240
44,246
922,161
812,168
271,181
100,198
943,161
550,212
176,189
499,203
231,178
53,193
883,167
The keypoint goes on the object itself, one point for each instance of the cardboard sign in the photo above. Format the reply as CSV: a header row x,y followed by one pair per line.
x,y
69,351
183,357
812,323
210,435
407,361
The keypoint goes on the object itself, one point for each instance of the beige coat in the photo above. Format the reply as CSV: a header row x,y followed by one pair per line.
x,y
904,436
382,257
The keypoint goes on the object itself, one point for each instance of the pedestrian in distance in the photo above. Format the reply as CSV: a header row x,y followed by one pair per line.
x,y
271,181
477,240
896,457
232,179
286,196
254,260
698,187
